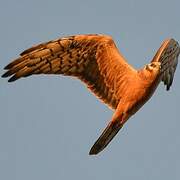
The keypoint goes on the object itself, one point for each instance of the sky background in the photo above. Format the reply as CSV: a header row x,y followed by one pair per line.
x,y
49,123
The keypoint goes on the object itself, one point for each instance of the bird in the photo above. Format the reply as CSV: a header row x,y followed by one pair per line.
x,y
95,60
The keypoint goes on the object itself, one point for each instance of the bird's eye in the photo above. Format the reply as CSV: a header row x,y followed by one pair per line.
x,y
152,65
149,67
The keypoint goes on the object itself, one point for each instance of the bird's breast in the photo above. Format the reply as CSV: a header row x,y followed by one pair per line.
x,y
140,94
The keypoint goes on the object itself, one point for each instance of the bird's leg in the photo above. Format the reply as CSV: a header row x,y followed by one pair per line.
x,y
121,114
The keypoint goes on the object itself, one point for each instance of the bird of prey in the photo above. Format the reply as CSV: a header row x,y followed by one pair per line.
x,y
95,60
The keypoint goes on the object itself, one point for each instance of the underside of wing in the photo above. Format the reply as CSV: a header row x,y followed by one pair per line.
x,y
94,59
167,55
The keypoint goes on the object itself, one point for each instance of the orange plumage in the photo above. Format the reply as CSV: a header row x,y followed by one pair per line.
x,y
95,60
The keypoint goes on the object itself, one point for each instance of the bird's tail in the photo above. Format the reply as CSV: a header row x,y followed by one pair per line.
x,y
107,135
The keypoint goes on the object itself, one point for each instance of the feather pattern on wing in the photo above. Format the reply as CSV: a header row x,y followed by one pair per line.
x,y
167,55
94,59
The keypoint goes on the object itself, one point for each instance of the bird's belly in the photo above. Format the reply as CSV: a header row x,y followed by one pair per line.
x,y
143,96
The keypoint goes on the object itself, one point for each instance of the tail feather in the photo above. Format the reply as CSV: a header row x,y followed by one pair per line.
x,y
110,131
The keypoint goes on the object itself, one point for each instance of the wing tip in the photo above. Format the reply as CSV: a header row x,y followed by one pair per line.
x,y
12,79
168,87
7,74
8,66
4,75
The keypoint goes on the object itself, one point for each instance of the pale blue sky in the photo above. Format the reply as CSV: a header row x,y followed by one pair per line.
x,y
49,123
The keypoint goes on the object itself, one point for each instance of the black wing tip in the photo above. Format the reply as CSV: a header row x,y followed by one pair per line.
x,y
8,66
7,74
4,75
168,88
169,85
12,79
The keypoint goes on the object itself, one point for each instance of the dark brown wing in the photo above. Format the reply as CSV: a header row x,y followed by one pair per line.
x,y
92,58
167,55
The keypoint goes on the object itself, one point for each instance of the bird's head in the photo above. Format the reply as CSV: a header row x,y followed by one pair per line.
x,y
152,67
150,70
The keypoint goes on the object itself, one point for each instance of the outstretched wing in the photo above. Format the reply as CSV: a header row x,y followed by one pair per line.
x,y
94,59
167,55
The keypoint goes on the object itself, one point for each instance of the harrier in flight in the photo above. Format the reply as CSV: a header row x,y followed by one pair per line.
x,y
95,60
